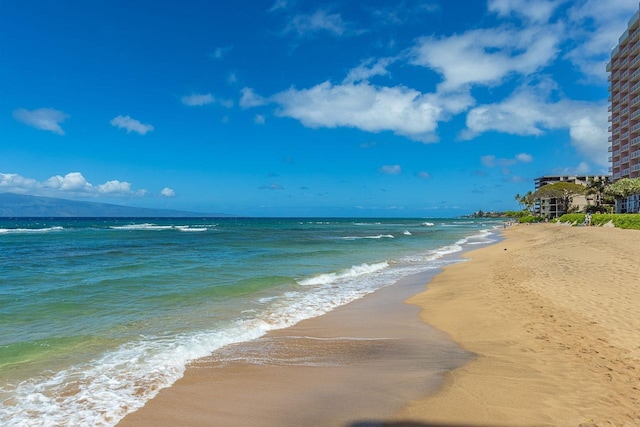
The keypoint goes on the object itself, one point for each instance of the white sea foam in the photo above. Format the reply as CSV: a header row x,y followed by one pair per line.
x,y
406,233
428,224
29,230
355,271
154,227
377,236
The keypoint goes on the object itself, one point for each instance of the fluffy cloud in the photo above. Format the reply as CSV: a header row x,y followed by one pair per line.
x,y
131,125
370,108
391,169
538,11
424,175
71,184
167,192
249,99
196,100
528,111
594,27
42,118
491,54
259,119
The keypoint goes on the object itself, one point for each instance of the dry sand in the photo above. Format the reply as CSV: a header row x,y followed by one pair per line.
x,y
553,313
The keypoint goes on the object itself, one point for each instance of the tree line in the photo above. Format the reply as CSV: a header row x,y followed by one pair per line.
x,y
604,193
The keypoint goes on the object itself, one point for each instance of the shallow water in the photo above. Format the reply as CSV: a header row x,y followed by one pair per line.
x,y
96,315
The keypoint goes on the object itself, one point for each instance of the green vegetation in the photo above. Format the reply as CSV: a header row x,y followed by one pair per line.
x,y
629,221
623,188
528,219
561,191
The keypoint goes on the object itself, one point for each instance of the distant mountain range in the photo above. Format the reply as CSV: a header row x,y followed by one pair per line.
x,y
20,205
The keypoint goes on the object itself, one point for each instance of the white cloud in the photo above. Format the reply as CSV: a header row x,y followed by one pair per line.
x,y
491,161
537,11
259,119
197,99
73,181
528,111
524,158
73,184
318,21
391,169
114,187
424,175
12,182
131,125
583,168
42,118
487,56
370,108
368,69
167,192
250,99
594,27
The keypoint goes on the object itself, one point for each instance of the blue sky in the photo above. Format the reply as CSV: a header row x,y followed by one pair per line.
x,y
293,107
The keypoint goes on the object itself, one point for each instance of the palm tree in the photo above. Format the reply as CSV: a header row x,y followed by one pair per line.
x,y
596,187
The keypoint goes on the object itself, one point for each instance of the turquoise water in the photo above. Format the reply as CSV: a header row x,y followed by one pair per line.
x,y
97,315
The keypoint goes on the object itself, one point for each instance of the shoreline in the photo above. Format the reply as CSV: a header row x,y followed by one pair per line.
x,y
552,314
364,360
538,329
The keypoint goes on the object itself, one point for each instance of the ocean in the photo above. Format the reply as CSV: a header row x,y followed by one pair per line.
x,y
97,315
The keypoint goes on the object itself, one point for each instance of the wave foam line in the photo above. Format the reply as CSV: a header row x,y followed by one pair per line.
x,y
355,271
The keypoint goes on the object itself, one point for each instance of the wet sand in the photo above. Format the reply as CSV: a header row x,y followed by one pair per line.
x,y
363,361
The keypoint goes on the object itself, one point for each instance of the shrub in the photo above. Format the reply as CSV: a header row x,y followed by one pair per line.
x,y
629,221
528,219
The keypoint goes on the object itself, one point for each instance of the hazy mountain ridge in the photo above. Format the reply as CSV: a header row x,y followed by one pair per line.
x,y
21,205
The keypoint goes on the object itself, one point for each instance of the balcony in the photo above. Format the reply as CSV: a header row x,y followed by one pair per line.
x,y
635,168
635,154
610,148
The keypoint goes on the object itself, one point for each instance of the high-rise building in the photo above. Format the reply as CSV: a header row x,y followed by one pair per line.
x,y
624,108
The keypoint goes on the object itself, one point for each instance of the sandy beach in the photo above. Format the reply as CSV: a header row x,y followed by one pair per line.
x,y
547,330
552,314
